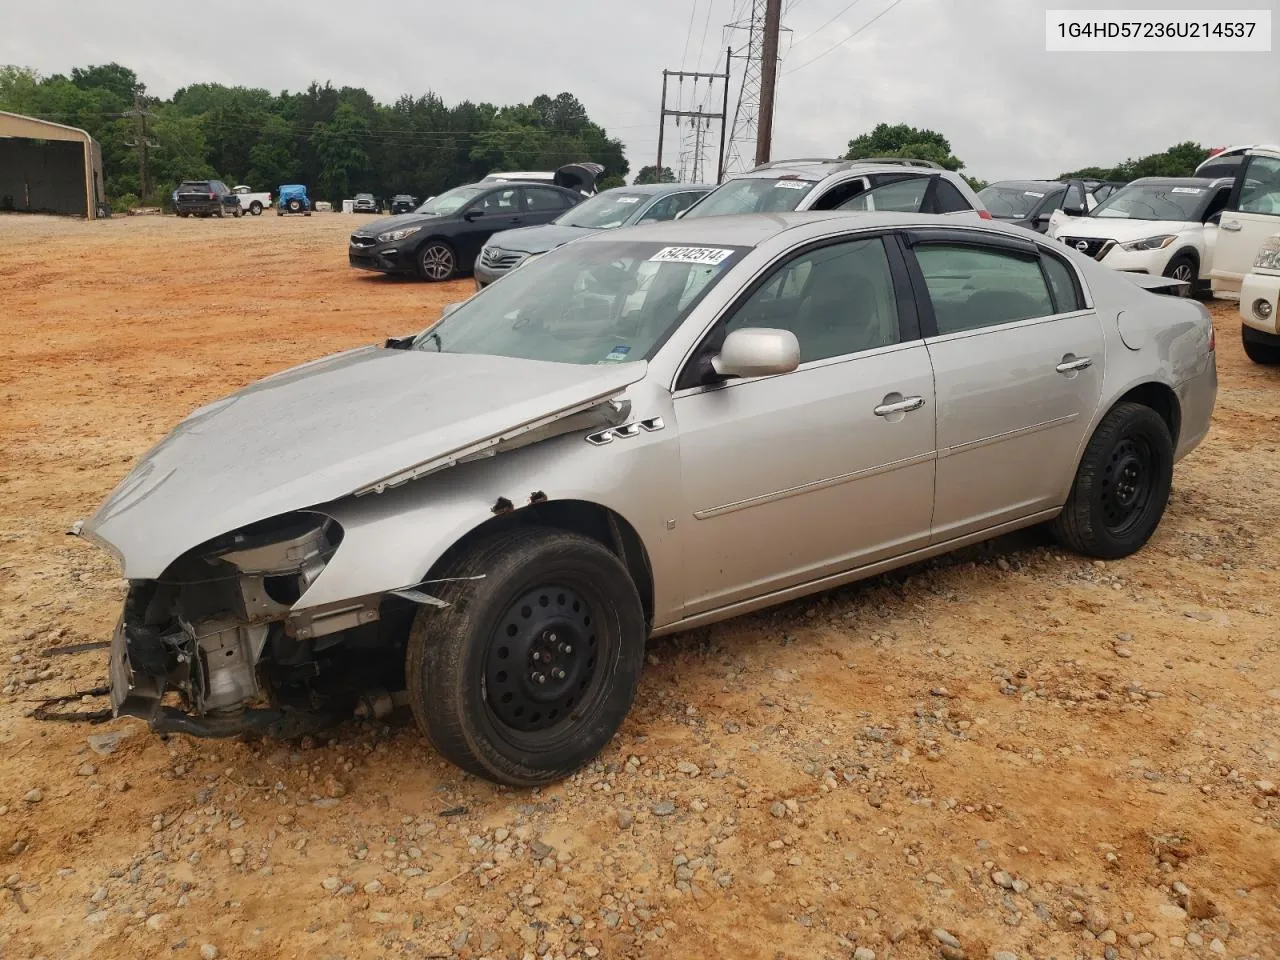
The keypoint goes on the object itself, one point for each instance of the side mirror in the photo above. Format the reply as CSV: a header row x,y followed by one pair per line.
x,y
472,215
1074,211
1040,219
757,352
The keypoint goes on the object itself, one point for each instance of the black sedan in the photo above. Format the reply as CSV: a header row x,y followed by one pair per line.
x,y
442,238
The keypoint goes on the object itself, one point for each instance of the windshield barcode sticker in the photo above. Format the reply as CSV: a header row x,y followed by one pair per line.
x,y
790,184
1032,193
1187,190
627,200
707,255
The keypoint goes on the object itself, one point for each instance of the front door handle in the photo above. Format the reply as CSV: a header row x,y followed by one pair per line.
x,y
1233,225
1073,364
905,405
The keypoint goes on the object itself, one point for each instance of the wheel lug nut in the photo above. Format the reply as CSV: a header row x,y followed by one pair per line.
x,y
558,674
536,656
539,678
566,648
551,637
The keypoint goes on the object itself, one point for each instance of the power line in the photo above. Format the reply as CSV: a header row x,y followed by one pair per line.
x,y
688,34
845,40
813,33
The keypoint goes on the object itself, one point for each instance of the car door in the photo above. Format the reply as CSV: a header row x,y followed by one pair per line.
x,y
788,479
542,205
1018,364
1252,215
489,213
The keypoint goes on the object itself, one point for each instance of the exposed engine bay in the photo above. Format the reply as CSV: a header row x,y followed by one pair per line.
x,y
212,647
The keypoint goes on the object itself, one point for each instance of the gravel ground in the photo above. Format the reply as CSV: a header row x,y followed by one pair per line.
x,y
1009,753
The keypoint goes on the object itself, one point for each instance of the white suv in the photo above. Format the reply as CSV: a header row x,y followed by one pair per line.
x,y
1260,305
906,186
1251,216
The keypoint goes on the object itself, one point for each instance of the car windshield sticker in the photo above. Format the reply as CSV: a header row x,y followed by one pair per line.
x,y
618,353
791,184
628,200
1187,190
1031,193
708,255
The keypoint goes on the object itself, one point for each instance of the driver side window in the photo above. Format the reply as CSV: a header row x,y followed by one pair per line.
x,y
1261,190
837,300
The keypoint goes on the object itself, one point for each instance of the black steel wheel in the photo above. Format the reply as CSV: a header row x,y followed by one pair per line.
x,y
532,668
437,261
1122,485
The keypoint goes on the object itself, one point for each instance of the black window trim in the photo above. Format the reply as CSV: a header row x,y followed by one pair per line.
x,y
1026,249
909,323
1242,177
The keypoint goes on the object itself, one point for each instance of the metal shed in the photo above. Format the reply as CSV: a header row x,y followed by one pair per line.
x,y
47,167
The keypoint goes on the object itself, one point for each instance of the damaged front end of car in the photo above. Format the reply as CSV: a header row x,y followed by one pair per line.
x,y
214,647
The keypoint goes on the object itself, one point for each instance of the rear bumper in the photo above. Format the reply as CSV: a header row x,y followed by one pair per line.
x,y
197,206
1196,398
1256,290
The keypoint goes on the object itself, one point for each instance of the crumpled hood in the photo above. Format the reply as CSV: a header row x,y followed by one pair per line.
x,y
325,430
538,239
1119,229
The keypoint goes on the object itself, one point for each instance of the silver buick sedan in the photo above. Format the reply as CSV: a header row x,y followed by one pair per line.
x,y
647,430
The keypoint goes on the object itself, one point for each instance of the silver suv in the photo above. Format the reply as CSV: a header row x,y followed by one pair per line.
x,y
875,183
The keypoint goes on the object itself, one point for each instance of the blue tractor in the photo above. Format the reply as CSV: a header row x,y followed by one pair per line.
x,y
292,198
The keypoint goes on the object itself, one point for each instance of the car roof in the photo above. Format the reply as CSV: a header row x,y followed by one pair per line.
x,y
816,171
1022,184
658,189
753,229
1182,182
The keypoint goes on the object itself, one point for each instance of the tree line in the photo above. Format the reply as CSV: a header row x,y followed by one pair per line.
x,y
337,140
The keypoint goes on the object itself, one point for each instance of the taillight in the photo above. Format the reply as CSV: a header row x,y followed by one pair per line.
x,y
984,214
212,195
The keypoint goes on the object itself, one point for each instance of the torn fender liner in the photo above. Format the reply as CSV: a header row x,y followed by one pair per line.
x,y
356,422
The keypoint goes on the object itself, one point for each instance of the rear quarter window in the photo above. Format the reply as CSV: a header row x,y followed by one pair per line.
x,y
1062,284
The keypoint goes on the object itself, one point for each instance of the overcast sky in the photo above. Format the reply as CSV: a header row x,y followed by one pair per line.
x,y
975,70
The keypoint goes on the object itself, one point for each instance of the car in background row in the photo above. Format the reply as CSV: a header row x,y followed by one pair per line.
x,y
1251,216
365,203
251,202
292,198
580,177
1160,226
1227,161
1260,305
205,198
1031,203
619,207
899,185
443,237
403,203
485,510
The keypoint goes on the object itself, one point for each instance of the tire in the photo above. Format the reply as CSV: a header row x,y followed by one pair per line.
x,y
295,205
437,262
239,213
572,588
255,208
219,213
1121,486
1256,347
1184,267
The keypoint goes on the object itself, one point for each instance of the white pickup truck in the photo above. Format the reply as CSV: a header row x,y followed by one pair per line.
x,y
252,202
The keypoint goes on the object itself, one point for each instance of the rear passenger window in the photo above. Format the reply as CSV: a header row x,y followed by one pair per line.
x,y
905,195
1066,297
947,199
975,287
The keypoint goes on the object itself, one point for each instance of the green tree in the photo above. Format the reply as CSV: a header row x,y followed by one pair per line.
x,y
651,174
902,140
339,148
1180,160
273,160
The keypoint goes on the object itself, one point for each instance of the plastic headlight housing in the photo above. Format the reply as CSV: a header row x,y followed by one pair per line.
x,y
392,235
1269,255
1150,243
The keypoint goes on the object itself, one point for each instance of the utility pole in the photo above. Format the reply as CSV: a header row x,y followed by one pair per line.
x,y
700,116
141,141
768,79
744,131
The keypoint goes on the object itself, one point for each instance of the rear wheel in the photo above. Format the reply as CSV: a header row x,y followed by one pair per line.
x,y
1121,487
219,213
255,208
1259,347
532,668
437,261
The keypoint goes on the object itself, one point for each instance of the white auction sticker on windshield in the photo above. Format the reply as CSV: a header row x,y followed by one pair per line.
x,y
791,184
1187,190
628,200
1032,193
707,255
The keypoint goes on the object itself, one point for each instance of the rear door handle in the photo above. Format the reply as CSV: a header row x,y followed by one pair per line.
x,y
1233,225
905,405
1077,363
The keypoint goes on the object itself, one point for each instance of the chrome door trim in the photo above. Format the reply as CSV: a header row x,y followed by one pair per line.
x,y
1012,325
1007,435
721,510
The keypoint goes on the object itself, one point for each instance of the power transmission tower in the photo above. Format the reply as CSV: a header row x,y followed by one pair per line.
x,y
141,141
745,129
701,116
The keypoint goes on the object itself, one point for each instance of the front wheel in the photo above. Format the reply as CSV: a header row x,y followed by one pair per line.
x,y
255,208
1256,347
1121,487
437,261
533,666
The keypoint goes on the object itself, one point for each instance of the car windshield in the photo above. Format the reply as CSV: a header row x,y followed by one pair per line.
x,y
194,185
585,303
364,196
1155,201
604,212
1012,202
752,195
451,201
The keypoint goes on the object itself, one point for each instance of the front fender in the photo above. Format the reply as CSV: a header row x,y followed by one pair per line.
x,y
391,540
